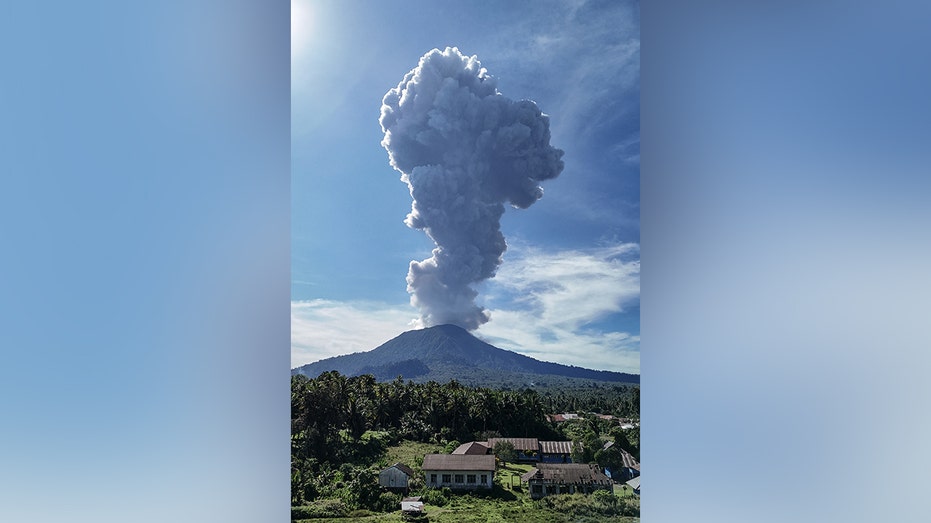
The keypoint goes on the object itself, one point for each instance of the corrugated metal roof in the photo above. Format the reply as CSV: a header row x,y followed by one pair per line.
x,y
635,483
472,448
629,461
458,462
556,447
519,443
567,473
403,468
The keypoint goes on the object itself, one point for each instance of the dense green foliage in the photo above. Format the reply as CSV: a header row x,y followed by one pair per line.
x,y
604,398
343,430
330,414
505,452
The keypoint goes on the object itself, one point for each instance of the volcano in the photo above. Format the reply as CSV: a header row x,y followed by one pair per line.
x,y
445,352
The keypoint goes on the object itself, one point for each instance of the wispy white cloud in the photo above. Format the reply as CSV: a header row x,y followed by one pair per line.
x,y
325,328
580,61
543,304
526,333
596,50
569,289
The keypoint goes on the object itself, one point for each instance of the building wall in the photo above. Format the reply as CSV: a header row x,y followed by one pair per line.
x,y
555,458
539,489
392,478
458,479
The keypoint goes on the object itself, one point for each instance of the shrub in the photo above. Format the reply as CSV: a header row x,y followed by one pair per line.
x,y
605,499
387,502
438,497
324,508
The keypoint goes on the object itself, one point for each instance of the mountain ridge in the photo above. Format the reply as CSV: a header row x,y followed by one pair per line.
x,y
446,352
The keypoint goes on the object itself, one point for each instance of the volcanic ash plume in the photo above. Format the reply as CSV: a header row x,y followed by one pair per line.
x,y
464,150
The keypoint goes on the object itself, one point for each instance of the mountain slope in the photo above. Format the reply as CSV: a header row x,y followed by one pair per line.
x,y
447,352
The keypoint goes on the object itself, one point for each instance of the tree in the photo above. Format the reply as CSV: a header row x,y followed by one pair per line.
x,y
610,458
504,450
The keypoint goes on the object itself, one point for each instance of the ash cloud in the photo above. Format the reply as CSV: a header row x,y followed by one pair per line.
x,y
464,150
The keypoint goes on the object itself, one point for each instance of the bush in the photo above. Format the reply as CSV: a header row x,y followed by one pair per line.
x,y
438,497
604,498
450,447
324,508
387,502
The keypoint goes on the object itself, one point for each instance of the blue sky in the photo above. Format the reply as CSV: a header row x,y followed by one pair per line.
x,y
568,290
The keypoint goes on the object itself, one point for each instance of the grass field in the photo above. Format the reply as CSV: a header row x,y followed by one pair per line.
x,y
411,453
469,509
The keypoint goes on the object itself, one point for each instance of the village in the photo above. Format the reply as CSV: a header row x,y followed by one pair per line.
x,y
549,470
365,451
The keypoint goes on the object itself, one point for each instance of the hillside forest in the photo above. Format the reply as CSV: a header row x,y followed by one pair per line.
x,y
342,427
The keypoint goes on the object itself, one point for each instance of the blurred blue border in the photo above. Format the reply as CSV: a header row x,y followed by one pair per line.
x,y
144,303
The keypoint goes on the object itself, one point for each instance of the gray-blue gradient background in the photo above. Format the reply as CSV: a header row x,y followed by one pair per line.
x,y
786,241
144,275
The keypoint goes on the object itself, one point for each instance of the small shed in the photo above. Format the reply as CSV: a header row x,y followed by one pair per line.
x,y
412,506
396,476
635,484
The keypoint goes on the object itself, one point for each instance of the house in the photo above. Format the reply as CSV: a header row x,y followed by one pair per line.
x,y
635,484
396,476
629,467
459,471
472,448
559,418
528,449
565,478
556,452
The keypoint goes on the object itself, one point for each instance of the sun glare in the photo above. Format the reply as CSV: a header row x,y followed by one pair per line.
x,y
300,25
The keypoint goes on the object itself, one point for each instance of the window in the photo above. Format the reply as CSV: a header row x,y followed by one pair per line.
x,y
470,478
538,489
458,478
432,478
484,479
447,478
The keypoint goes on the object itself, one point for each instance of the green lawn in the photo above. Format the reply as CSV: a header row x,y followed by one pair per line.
x,y
411,453
468,509
509,476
